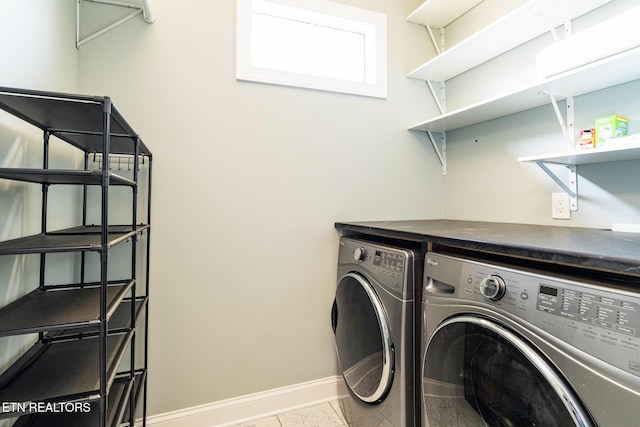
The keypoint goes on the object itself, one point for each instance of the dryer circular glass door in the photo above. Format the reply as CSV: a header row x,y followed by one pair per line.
x,y
476,372
363,339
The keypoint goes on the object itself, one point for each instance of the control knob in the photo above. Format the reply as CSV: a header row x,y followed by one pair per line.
x,y
493,287
359,254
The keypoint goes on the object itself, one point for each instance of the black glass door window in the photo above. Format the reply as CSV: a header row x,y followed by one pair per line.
x,y
477,373
363,341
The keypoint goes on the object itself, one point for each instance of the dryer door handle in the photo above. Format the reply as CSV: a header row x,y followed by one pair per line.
x,y
334,316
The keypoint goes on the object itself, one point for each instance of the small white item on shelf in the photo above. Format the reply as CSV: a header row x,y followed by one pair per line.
x,y
629,228
621,142
610,37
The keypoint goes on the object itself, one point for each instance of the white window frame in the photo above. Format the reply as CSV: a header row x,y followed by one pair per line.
x,y
372,25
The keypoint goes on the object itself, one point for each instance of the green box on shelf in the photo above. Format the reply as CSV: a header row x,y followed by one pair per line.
x,y
609,127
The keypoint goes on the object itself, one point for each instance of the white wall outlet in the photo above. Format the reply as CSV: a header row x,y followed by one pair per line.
x,y
560,206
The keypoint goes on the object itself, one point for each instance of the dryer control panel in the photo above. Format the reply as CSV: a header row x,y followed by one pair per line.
x,y
389,266
598,320
389,262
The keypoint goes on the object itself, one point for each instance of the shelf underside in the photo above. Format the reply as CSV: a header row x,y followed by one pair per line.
x,y
118,408
49,310
50,176
64,371
86,238
64,113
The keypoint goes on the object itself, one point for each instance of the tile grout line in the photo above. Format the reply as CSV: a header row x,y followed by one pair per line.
x,y
340,416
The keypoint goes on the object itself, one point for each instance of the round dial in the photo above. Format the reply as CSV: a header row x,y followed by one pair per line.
x,y
359,254
493,287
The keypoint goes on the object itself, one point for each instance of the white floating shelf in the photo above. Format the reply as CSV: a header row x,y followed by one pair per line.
x,y
525,23
620,149
614,70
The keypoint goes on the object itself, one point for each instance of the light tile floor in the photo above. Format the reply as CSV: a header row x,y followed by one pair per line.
x,y
323,415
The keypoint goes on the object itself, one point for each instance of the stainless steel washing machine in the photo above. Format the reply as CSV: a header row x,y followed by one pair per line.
x,y
509,346
374,322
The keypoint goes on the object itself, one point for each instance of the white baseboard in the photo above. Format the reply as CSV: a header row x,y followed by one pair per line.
x,y
253,406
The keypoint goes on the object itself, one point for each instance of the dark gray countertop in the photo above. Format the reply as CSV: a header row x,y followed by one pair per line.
x,y
584,247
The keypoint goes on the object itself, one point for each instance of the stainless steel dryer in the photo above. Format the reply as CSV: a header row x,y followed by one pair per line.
x,y
505,346
374,323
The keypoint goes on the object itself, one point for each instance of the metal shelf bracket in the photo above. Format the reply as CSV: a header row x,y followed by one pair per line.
x,y
437,90
568,125
571,187
143,9
439,47
567,27
439,142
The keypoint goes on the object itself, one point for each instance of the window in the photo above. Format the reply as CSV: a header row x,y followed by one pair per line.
x,y
313,44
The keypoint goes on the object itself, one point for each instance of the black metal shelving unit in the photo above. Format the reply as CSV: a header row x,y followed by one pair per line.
x,y
88,366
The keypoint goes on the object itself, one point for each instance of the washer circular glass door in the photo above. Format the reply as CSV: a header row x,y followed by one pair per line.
x,y
363,339
478,373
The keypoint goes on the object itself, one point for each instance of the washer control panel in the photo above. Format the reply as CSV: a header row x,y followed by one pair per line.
x,y
591,317
605,311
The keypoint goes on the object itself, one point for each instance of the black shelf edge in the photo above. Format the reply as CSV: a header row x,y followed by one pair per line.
x,y
76,119
119,322
93,143
63,176
118,406
50,310
85,238
65,371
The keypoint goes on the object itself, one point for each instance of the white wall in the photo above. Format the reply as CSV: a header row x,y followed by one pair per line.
x,y
248,182
37,45
38,52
